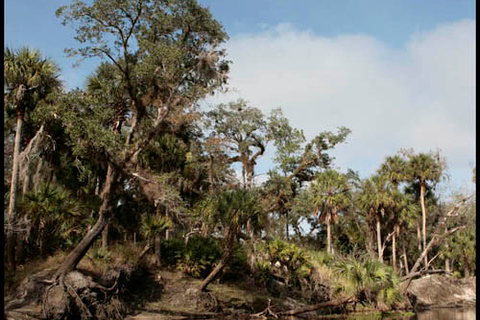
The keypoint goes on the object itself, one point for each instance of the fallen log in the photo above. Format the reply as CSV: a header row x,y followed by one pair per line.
x,y
314,307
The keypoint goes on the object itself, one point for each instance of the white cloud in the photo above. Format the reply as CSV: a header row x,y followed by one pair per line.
x,y
420,96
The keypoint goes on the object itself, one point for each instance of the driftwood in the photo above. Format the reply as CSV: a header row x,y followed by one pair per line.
x,y
424,272
266,312
314,307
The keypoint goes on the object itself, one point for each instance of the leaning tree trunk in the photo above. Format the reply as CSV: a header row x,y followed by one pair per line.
x,y
230,241
13,196
105,237
424,220
103,214
379,240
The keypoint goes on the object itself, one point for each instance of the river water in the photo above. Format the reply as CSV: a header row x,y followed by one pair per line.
x,y
434,314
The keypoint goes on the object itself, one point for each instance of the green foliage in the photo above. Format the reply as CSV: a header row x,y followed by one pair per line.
x,y
172,251
57,220
330,194
28,78
101,254
371,280
238,267
232,209
196,258
285,260
425,168
152,225
287,254
461,246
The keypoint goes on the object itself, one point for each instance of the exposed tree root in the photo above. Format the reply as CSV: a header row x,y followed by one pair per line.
x,y
73,295
266,313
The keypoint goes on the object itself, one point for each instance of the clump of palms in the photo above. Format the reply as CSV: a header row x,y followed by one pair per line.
x,y
55,218
288,260
151,227
370,280
28,78
330,195
229,212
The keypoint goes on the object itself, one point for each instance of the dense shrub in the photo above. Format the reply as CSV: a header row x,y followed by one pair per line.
x,y
196,258
370,280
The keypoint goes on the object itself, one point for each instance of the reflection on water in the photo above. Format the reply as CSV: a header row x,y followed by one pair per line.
x,y
447,314
435,314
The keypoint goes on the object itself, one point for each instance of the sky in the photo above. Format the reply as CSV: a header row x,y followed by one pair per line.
x,y
398,73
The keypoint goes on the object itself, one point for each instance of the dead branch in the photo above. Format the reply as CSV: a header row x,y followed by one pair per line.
x,y
437,237
266,312
424,272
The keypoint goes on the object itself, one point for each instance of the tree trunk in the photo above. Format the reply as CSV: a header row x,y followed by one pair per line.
x,y
419,238
229,243
211,175
103,215
105,238
158,242
214,273
447,260
433,242
286,225
405,260
424,220
329,237
13,196
379,240
394,256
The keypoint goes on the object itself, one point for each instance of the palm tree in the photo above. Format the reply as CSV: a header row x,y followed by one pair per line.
x,y
151,228
394,169
422,169
28,78
331,195
230,211
376,198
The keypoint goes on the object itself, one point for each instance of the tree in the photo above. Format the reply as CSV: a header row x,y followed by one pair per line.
x,y
394,168
297,162
28,78
425,169
243,132
167,58
376,199
229,212
330,195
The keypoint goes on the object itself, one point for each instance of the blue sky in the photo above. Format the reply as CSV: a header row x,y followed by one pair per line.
x,y
399,73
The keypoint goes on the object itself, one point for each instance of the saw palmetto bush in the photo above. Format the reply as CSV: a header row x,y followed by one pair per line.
x,y
370,281
54,220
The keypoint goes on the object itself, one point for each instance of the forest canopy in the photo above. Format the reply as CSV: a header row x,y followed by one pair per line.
x,y
134,158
